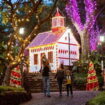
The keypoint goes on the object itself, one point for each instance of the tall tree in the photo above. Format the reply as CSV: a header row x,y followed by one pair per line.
x,y
85,22
19,14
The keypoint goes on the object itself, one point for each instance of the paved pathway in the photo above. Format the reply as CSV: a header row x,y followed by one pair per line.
x,y
79,98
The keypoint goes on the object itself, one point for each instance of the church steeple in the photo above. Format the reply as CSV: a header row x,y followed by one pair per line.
x,y
58,21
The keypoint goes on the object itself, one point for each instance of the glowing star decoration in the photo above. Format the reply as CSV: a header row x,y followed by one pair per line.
x,y
48,2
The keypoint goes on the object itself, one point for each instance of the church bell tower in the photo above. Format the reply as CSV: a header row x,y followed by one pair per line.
x,y
58,22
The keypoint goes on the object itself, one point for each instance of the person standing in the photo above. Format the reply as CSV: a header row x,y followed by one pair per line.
x,y
46,80
60,77
68,77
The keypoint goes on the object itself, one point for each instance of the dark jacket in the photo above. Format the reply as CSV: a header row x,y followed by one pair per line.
x,y
45,71
59,74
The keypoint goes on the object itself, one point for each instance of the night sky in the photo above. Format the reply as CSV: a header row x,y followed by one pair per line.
x,y
11,0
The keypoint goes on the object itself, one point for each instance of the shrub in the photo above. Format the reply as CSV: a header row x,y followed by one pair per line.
x,y
98,100
100,79
80,80
13,96
4,89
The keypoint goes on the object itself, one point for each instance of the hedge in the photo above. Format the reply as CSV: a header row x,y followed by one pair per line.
x,y
13,96
98,100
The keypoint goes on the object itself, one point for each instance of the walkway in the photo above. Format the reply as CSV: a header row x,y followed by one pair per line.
x,y
80,98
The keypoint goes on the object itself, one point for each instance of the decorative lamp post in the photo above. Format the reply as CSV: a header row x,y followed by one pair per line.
x,y
21,32
69,47
102,39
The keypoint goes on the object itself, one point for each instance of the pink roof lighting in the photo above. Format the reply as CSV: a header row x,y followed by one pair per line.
x,y
44,39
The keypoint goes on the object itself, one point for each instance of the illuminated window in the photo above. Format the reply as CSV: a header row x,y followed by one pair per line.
x,y
35,59
54,23
50,57
61,22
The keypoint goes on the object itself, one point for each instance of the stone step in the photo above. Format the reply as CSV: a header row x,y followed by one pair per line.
x,y
36,85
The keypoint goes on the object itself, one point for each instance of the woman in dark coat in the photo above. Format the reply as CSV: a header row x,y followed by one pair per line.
x,y
60,77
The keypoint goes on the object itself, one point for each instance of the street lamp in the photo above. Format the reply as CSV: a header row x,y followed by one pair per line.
x,y
102,39
21,30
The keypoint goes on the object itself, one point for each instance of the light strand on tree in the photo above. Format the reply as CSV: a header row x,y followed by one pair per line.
x,y
90,8
94,38
73,12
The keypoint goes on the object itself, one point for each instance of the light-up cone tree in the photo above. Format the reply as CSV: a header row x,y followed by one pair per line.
x,y
87,30
92,80
18,14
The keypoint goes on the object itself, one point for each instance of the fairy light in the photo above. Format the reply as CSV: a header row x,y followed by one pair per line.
x,y
19,20
27,20
22,19
8,54
8,43
29,11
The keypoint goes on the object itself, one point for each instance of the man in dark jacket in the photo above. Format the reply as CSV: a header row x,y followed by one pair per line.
x,y
46,80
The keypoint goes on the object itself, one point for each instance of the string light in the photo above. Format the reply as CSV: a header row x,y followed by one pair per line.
x,y
22,19
13,63
19,59
73,12
27,20
19,20
29,11
8,43
8,54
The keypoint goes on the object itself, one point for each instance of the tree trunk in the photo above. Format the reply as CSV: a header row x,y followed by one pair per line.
x,y
85,46
6,80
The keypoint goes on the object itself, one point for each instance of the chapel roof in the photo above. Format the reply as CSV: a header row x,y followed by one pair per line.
x,y
45,38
